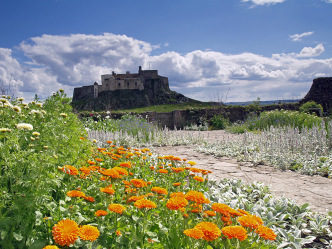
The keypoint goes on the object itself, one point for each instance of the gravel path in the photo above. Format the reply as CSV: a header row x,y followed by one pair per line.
x,y
315,190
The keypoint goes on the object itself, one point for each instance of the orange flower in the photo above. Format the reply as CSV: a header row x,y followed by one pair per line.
x,y
138,183
242,211
209,229
161,191
100,213
185,215
251,221
151,167
68,169
126,182
88,232
51,247
197,197
65,232
109,142
163,171
99,159
136,198
125,164
89,198
224,209
175,203
143,203
195,170
111,173
121,171
199,179
116,208
107,190
118,233
85,170
266,233
192,163
75,193
177,194
177,184
194,233
91,162
236,232
130,173
210,213
177,170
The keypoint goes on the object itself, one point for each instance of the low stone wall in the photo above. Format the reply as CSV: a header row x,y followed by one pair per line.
x,y
180,118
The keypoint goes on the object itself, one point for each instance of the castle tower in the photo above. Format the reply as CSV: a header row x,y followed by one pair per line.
x,y
95,90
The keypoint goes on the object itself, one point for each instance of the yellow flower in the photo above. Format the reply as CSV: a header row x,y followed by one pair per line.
x,y
5,130
266,233
63,115
175,203
35,134
51,247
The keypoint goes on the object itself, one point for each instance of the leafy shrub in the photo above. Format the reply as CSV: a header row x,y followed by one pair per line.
x,y
306,107
219,122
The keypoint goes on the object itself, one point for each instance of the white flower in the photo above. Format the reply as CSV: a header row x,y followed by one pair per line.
x,y
63,115
16,108
40,104
5,130
24,126
20,99
35,133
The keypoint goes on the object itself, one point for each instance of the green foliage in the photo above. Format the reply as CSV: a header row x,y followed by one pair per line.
x,y
254,107
219,122
308,106
277,118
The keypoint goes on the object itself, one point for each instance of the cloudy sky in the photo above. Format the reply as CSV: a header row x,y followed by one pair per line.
x,y
229,50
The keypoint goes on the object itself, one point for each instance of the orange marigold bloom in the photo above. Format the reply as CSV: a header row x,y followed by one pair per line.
x,y
85,170
51,247
143,203
88,232
177,194
135,198
68,169
107,190
175,203
109,142
199,179
149,183
177,170
176,158
126,182
163,171
161,191
138,183
111,173
195,170
89,198
266,233
100,213
194,233
177,184
91,162
236,232
118,233
130,173
197,197
224,209
242,211
251,221
121,171
210,213
75,193
151,167
185,215
125,164
99,159
116,208
209,229
65,232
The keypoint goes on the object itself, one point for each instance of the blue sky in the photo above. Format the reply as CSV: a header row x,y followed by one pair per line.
x,y
229,50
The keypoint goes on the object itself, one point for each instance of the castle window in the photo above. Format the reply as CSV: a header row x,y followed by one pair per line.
x,y
127,84
119,84
135,83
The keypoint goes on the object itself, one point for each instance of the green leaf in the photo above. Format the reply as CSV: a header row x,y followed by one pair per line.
x,y
3,234
38,244
135,218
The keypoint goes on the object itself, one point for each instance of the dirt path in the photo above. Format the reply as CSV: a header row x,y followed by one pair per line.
x,y
315,190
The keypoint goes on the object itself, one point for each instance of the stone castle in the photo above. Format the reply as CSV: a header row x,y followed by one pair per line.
x,y
122,91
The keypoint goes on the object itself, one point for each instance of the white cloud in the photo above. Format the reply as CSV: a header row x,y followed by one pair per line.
x,y
264,2
328,1
71,61
298,37
312,52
